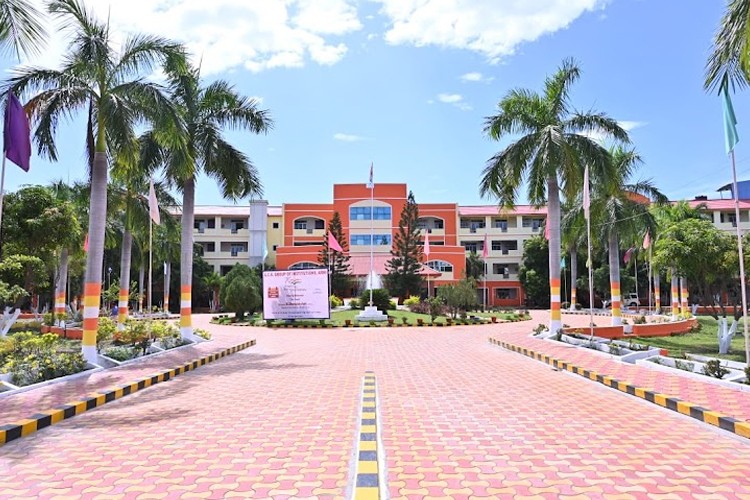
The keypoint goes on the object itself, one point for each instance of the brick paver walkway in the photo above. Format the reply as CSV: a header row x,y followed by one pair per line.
x,y
459,418
733,403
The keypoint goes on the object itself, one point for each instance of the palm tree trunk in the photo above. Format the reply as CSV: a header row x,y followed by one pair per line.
x,y
125,255
657,292
167,281
186,259
553,219
62,280
614,279
573,278
141,292
675,294
683,285
92,289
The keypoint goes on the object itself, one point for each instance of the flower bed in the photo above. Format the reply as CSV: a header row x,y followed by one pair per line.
x,y
715,371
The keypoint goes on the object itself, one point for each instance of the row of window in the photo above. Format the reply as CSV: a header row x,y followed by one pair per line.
x,y
366,240
305,224
370,213
503,246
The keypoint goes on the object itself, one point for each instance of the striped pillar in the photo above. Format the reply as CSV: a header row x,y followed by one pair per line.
x,y
91,302
573,299
59,304
122,308
186,320
683,285
166,301
555,316
657,296
616,304
675,297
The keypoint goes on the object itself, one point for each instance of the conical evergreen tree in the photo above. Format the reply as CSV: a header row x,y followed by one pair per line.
x,y
403,268
340,272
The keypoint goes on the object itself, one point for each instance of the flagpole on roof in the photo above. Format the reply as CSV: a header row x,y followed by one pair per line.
x,y
731,139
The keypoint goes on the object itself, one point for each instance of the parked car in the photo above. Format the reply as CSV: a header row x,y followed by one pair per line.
x,y
629,300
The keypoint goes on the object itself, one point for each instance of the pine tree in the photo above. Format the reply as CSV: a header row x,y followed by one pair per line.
x,y
403,268
340,272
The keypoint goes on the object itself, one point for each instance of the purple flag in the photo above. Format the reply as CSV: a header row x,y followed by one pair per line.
x,y
16,134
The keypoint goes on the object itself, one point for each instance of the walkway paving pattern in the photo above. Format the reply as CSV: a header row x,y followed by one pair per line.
x,y
458,418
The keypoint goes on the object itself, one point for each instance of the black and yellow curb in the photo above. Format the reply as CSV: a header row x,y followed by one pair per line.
x,y
725,422
22,428
367,475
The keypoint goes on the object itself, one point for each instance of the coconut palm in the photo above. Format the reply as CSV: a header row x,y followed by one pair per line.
x,y
20,28
206,110
109,85
620,212
555,144
729,61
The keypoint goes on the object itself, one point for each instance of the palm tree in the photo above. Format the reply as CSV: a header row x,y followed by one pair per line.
x,y
110,87
729,62
214,281
620,211
20,29
205,111
555,144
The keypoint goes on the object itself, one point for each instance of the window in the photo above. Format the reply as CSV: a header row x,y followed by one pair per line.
x,y
275,225
364,239
437,224
209,247
381,213
440,265
212,223
472,224
304,265
223,270
300,224
320,224
359,213
275,247
504,269
533,222
471,246
236,248
506,293
306,243
501,224
729,217
504,246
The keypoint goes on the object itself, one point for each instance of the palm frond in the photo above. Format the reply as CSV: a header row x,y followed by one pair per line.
x,y
20,29
729,61
233,171
557,87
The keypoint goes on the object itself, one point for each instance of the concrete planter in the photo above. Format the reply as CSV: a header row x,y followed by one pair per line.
x,y
733,380
12,389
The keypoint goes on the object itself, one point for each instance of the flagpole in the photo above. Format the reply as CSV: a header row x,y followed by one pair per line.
x,y
330,278
150,259
742,258
372,233
650,277
2,196
635,265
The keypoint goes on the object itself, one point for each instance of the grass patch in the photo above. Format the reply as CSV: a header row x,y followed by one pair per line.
x,y
703,342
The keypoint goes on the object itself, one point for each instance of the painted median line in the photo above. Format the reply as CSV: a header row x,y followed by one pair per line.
x,y
369,465
22,428
725,422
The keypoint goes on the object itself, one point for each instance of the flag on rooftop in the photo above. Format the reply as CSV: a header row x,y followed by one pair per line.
x,y
16,134
371,184
153,204
730,121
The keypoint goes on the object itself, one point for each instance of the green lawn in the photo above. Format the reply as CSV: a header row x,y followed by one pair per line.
x,y
704,342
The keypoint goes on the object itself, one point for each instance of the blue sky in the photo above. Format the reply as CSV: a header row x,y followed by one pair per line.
x,y
406,84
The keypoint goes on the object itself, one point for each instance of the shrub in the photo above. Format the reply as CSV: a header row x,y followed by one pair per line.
x,y
162,329
614,349
713,368
105,332
411,301
32,358
747,374
541,327
172,341
202,333
381,299
565,305
684,365
240,291
121,352
48,319
135,334
436,307
335,301
639,320
354,304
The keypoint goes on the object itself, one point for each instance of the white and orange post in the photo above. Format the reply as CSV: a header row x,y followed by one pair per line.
x,y
684,296
186,319
60,286
555,313
92,293
616,304
167,276
122,308
675,297
657,294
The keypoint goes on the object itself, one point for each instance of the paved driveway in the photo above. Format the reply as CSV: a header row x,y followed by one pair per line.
x,y
459,418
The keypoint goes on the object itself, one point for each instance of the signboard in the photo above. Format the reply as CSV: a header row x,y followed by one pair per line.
x,y
299,294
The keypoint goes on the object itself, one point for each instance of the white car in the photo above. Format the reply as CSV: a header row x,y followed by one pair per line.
x,y
629,300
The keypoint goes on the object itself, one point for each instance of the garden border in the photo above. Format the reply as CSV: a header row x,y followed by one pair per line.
x,y
379,324
725,422
22,428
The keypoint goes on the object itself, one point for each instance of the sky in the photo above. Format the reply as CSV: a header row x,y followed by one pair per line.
x,y
406,85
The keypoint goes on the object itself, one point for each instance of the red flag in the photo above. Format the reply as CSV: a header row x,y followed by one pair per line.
x,y
16,134
333,244
647,240
427,243
626,258
86,243
485,250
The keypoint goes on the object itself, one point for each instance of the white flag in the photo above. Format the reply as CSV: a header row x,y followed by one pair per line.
x,y
153,205
427,243
586,197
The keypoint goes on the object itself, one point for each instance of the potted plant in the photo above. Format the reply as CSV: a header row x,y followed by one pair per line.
x,y
493,319
348,322
390,321
420,321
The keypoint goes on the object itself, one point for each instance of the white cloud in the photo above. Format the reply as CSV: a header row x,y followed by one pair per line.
x,y
494,28
229,34
456,100
475,76
348,137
